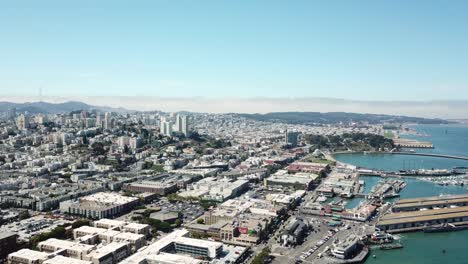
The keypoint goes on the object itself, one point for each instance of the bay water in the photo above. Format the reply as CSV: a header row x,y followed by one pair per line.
x,y
419,247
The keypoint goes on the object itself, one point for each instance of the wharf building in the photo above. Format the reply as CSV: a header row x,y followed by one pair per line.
x,y
433,202
347,249
417,214
309,167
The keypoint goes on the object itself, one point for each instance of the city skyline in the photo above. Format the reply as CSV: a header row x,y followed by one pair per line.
x,y
371,51
446,109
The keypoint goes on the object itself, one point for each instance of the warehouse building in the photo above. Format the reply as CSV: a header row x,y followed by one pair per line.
x,y
99,205
417,220
434,202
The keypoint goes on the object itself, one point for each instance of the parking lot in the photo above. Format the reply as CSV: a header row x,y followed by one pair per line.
x,y
190,211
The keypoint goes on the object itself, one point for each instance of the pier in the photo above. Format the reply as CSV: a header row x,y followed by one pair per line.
x,y
429,155
384,189
410,143
402,153
417,214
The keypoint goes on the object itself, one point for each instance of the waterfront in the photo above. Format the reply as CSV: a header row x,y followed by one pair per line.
x,y
391,162
420,247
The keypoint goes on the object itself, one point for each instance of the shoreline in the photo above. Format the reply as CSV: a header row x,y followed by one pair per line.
x,y
401,153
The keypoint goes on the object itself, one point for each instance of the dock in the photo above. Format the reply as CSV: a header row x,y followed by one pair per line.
x,y
411,143
385,189
407,173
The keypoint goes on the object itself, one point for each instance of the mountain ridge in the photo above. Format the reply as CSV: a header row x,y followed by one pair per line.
x,y
54,108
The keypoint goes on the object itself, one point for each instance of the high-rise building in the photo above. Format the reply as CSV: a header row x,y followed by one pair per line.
x,y
185,125
11,114
62,120
291,137
182,124
84,114
108,121
166,128
22,122
41,119
178,124
99,120
135,142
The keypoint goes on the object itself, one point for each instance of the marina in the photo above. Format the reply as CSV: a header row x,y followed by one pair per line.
x,y
430,238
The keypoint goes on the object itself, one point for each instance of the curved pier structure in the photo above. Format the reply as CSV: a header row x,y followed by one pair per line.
x,y
428,155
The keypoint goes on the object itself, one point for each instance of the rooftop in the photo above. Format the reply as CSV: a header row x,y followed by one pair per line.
x,y
30,254
425,213
64,260
64,244
423,218
431,198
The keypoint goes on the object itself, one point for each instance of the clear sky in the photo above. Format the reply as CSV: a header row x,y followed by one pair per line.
x,y
369,50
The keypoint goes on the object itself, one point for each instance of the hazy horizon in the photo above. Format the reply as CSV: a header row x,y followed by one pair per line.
x,y
446,109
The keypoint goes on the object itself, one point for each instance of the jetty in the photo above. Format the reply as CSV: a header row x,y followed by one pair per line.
x,y
411,143
427,155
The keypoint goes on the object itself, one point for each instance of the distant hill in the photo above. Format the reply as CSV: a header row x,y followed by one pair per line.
x,y
337,117
51,108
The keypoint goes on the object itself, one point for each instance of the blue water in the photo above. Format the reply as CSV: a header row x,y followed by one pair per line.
x,y
391,162
421,248
447,139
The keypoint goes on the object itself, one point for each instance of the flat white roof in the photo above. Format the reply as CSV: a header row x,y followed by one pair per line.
x,y
30,254
90,229
110,222
64,260
109,248
108,198
136,226
64,244
172,259
129,236
176,236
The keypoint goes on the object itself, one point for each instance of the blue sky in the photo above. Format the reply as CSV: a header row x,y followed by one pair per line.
x,y
363,50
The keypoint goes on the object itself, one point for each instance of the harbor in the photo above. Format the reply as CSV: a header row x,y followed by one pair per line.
x,y
439,242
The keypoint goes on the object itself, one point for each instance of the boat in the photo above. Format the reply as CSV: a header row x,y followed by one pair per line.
x,y
391,246
460,170
381,236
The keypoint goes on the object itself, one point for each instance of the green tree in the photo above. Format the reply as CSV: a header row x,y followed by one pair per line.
x,y
262,256
80,223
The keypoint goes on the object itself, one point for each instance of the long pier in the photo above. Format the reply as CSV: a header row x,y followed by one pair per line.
x,y
428,155
403,153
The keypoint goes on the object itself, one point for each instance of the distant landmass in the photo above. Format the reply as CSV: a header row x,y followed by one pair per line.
x,y
51,108
337,117
284,117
